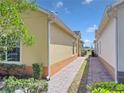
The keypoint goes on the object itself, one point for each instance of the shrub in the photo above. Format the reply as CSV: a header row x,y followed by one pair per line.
x,y
83,52
27,85
23,75
7,70
100,90
37,71
106,87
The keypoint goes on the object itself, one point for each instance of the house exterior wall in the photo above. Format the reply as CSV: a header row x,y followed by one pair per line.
x,y
62,44
38,26
106,45
120,44
120,29
111,43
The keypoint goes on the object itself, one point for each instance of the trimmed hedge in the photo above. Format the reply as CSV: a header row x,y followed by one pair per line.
x,y
37,71
106,87
83,52
17,70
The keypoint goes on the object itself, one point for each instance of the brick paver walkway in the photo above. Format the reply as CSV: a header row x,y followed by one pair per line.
x,y
97,72
61,81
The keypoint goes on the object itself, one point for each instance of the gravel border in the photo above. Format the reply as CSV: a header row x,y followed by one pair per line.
x,y
79,83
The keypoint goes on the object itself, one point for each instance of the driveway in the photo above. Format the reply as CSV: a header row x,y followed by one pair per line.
x,y
61,81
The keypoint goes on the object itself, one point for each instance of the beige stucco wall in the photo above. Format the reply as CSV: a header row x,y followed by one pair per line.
x,y
106,45
61,44
38,26
120,30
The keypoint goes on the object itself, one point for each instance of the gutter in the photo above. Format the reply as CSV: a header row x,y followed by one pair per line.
x,y
106,16
58,21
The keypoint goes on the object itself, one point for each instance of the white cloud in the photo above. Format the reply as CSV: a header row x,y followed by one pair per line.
x,y
88,43
87,1
59,4
92,28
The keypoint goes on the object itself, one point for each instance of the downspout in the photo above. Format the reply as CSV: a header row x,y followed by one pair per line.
x,y
116,67
49,50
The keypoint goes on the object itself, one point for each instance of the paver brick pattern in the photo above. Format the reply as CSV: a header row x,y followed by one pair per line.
x,y
61,81
97,72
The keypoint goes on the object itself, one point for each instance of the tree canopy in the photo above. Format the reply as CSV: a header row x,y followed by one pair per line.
x,y
12,28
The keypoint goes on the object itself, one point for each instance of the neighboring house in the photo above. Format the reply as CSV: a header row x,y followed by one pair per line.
x,y
109,43
80,43
55,44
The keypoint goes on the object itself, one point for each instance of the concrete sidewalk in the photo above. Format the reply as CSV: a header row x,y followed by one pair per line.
x,y
61,81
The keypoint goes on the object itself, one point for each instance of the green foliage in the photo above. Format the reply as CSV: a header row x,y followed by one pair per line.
x,y
23,5
27,85
83,52
11,66
100,90
12,28
106,87
37,70
119,87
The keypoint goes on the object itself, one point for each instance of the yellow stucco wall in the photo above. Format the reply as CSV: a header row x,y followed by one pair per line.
x,y
61,44
38,26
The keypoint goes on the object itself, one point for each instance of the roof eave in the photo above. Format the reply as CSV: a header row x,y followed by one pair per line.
x,y
106,17
55,19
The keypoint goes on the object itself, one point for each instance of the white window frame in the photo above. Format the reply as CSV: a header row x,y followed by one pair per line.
x,y
14,62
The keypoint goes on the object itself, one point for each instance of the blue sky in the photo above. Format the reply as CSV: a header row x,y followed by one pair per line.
x,y
81,15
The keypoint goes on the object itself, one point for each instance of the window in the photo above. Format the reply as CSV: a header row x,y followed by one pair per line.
x,y
11,56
